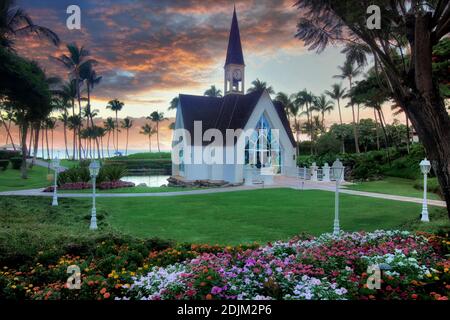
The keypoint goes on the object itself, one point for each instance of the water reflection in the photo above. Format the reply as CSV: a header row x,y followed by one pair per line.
x,y
150,181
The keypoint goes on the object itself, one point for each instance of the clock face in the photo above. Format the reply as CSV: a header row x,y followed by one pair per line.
x,y
237,75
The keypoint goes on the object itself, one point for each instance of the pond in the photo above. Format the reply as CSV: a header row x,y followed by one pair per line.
x,y
150,181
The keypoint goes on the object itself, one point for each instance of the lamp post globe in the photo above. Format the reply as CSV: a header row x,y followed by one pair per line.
x,y
425,167
338,174
55,164
94,169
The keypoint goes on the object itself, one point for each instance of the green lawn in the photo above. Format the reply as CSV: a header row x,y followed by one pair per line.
x,y
135,190
247,216
10,179
394,186
145,156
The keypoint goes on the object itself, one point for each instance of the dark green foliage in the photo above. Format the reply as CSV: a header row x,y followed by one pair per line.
x,y
112,173
4,164
16,163
73,175
6,155
156,165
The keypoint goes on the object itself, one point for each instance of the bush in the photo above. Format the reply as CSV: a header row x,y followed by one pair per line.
x,y
16,163
112,173
74,175
6,154
108,185
4,164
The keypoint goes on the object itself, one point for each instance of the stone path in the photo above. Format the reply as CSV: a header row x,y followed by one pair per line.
x,y
282,182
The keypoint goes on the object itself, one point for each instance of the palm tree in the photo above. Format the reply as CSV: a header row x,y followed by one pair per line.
x,y
304,100
258,85
15,21
337,92
322,105
157,117
88,73
75,60
116,106
174,103
148,131
397,110
69,94
285,101
50,124
213,92
110,126
127,124
348,71
10,117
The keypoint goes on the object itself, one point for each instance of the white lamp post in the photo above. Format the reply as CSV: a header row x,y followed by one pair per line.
x,y
55,166
338,173
425,167
94,169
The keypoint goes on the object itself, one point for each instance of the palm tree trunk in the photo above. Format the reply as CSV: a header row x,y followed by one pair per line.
x,y
65,138
8,132
355,130
46,141
36,142
30,141
149,143
407,133
157,135
23,168
42,142
107,144
126,148
52,130
376,128
117,133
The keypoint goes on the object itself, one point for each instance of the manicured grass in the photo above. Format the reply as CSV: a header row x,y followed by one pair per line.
x,y
247,216
394,186
10,180
135,190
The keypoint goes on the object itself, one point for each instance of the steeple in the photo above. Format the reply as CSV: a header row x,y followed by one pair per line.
x,y
234,52
234,64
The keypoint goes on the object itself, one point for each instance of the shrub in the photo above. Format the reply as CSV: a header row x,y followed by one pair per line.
x,y
112,173
7,154
4,164
74,175
16,162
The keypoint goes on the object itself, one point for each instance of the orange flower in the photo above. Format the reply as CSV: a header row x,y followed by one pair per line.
x,y
103,291
208,296
106,295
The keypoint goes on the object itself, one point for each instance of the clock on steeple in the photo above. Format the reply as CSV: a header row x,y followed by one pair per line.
x,y
234,65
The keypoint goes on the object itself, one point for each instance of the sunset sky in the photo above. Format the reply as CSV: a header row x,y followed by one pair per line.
x,y
150,51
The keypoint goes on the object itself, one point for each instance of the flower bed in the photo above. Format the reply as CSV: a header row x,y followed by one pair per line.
x,y
414,267
107,185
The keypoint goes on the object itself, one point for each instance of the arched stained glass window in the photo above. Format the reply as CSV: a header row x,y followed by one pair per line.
x,y
262,148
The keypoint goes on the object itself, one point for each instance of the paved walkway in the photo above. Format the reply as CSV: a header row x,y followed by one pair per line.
x,y
45,164
279,182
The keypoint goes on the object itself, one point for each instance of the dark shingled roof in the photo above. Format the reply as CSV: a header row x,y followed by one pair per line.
x,y
234,52
229,112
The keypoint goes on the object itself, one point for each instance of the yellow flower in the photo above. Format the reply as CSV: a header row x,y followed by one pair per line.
x,y
13,286
429,275
436,278
446,270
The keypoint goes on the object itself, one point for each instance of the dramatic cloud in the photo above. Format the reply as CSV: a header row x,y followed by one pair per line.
x,y
148,47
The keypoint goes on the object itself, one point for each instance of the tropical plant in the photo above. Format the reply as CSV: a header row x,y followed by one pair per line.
x,y
174,103
304,100
213,92
157,117
116,106
348,71
322,105
402,52
127,124
74,61
110,126
148,131
15,21
258,85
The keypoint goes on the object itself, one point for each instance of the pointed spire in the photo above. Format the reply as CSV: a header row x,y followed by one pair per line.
x,y
234,52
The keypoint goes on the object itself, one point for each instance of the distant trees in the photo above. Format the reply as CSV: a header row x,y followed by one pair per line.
x,y
213,92
157,117
148,131
258,85
127,124
116,106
